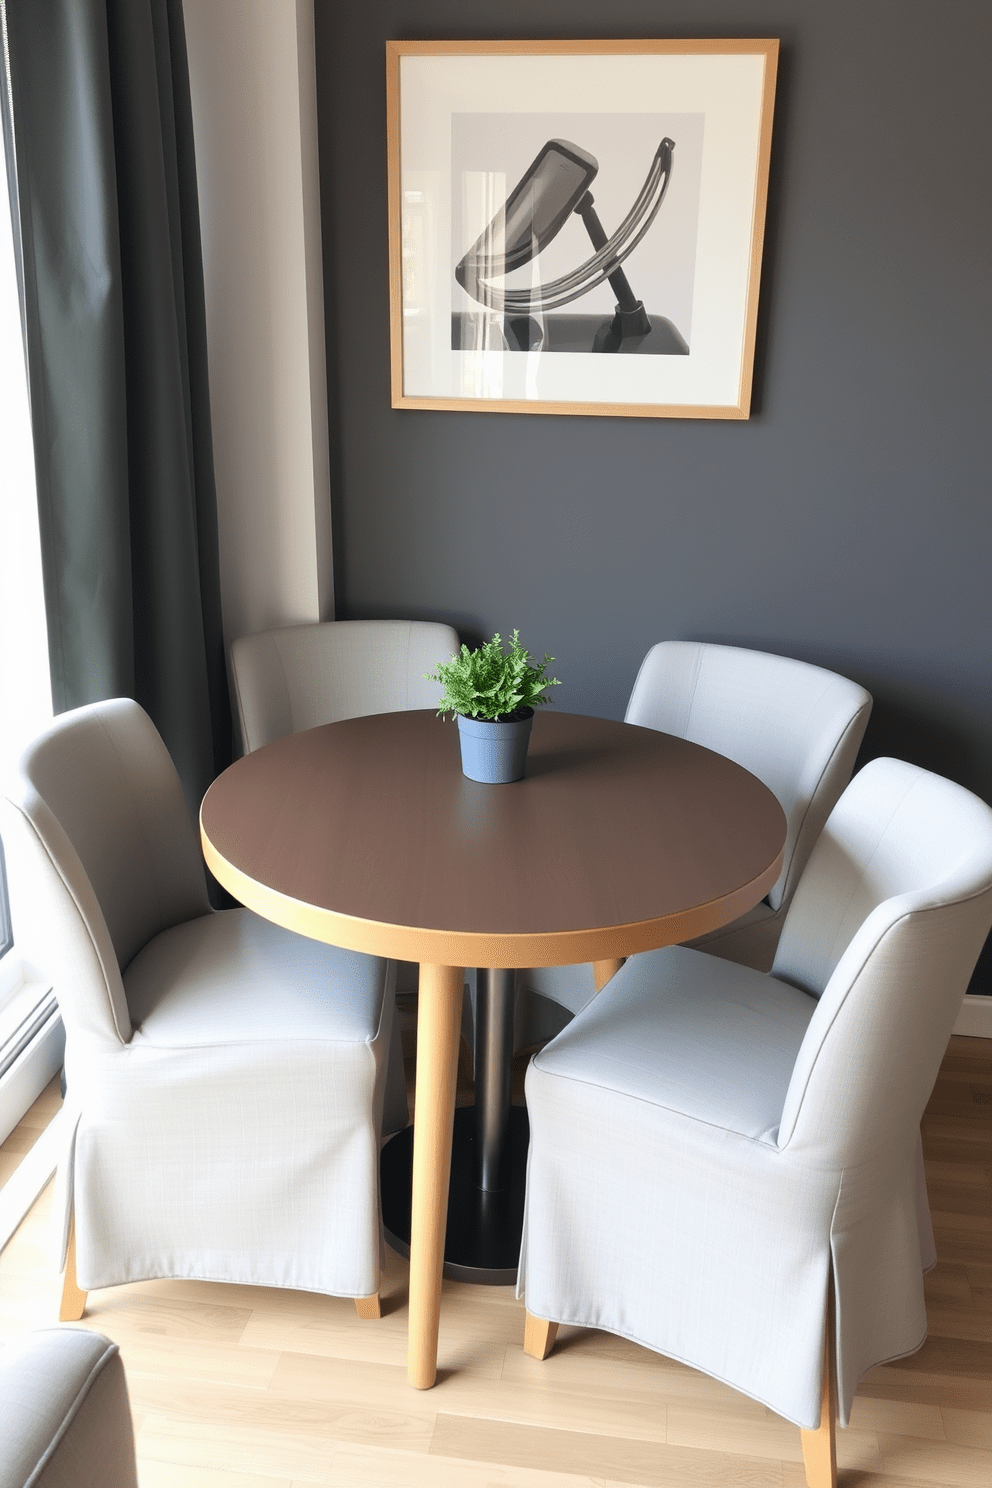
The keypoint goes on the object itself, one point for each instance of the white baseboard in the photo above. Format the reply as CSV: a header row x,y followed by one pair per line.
x,y
20,1087
975,1017
29,1178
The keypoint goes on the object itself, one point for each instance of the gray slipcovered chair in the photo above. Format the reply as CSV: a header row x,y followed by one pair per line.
x,y
301,676
65,1420
795,726
715,1151
225,1077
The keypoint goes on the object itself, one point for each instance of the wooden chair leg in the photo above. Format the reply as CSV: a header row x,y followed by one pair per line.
x,y
820,1446
368,1307
73,1303
539,1336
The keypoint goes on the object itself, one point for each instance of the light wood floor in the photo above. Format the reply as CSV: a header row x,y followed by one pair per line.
x,y
236,1387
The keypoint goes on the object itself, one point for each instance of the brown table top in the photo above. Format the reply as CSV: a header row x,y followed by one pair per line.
x,y
366,834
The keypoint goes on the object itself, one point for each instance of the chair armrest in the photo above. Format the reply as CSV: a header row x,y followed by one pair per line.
x,y
65,1419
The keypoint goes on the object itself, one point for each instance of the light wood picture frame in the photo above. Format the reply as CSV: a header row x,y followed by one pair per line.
x,y
601,199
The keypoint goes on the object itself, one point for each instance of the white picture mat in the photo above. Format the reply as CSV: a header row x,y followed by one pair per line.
x,y
726,88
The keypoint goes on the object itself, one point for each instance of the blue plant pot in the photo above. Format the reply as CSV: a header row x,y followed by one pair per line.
x,y
494,752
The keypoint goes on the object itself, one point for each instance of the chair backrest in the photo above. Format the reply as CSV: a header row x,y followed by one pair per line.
x,y
295,678
884,929
103,855
796,727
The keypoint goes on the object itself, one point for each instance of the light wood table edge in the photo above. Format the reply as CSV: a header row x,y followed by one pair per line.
x,y
480,948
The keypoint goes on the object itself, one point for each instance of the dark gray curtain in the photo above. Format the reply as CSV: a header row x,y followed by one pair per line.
x,y
99,141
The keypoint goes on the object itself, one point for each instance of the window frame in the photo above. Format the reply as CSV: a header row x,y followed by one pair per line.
x,y
6,929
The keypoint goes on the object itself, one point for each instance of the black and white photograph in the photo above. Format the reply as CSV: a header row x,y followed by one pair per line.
x,y
578,231
537,261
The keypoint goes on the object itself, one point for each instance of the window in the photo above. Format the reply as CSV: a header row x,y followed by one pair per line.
x,y
30,1027
25,681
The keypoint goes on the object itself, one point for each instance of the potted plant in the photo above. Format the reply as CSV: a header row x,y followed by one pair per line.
x,y
493,694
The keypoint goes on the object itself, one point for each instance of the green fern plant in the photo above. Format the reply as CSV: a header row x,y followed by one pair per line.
x,y
492,683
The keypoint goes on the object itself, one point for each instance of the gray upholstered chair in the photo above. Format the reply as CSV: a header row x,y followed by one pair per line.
x,y
65,1420
225,1077
797,727
295,678
715,1151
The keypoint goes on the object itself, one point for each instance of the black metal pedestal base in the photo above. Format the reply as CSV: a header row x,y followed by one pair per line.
x,y
482,1243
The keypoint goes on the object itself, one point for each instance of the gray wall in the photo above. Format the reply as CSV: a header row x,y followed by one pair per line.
x,y
849,522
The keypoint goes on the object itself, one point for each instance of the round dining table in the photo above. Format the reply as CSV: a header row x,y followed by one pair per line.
x,y
366,834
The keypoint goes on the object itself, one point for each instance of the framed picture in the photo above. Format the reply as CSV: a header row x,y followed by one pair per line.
x,y
575,227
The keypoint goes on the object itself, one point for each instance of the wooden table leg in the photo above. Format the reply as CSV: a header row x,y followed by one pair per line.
x,y
439,1026
603,970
